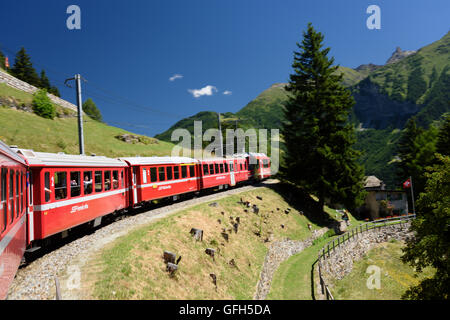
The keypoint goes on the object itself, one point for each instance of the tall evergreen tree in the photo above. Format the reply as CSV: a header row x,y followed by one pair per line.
x,y
91,110
2,60
317,133
44,81
23,69
443,142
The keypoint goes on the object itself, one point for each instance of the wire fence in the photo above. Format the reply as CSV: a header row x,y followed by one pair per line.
x,y
332,245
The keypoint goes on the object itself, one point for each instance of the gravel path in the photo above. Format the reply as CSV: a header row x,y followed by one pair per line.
x,y
279,251
37,280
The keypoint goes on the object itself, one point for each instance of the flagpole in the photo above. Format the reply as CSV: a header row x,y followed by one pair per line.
x,y
412,195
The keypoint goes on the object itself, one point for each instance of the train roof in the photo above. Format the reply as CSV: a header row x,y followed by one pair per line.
x,y
46,159
5,149
158,160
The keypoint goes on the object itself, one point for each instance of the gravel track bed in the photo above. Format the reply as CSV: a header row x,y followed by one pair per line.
x,y
36,281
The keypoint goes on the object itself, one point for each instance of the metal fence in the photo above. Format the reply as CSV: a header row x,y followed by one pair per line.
x,y
324,253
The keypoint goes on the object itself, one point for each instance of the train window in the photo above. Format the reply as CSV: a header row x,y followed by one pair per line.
x,y
211,169
75,186
30,178
121,177
153,175
98,181
87,182
176,172
107,180
115,179
216,165
205,169
169,173
222,169
192,171
47,186
161,174
226,167
144,175
3,203
60,185
21,192
183,171
17,194
11,193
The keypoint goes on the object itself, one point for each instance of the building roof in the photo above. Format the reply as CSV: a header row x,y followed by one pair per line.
x,y
372,182
4,148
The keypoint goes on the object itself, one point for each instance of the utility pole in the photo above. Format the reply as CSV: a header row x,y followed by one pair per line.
x,y
220,136
77,78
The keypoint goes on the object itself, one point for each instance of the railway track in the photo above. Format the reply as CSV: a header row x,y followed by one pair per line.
x,y
35,280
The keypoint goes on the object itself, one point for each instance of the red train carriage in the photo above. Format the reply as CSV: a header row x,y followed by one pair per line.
x,y
13,170
241,169
259,165
69,190
217,172
160,177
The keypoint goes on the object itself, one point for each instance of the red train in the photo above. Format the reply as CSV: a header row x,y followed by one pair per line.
x,y
45,195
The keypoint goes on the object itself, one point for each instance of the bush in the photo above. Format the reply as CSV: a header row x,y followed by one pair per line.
x,y
42,105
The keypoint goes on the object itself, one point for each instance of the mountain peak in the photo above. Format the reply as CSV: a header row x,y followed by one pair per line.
x,y
399,55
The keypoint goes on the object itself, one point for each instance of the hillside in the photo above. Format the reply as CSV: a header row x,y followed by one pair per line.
x,y
19,126
411,83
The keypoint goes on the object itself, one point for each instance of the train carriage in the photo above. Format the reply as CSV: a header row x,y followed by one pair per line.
x,y
217,172
70,190
259,165
13,171
161,177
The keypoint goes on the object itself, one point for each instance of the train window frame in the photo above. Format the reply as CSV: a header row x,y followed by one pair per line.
x,y
107,180
183,172
121,178
192,171
216,167
75,184
17,194
205,172
115,179
161,174
176,172
22,204
11,195
4,196
87,183
169,173
226,167
153,174
144,175
62,188
100,182
47,187
211,168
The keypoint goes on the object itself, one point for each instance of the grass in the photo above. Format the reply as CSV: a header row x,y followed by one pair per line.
x,y
132,267
396,276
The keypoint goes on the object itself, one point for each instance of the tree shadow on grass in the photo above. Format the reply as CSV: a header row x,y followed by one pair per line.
x,y
300,200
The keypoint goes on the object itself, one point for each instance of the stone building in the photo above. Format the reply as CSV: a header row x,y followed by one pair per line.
x,y
380,203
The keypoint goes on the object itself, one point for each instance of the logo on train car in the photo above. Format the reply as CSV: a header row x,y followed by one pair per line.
x,y
79,208
164,187
221,177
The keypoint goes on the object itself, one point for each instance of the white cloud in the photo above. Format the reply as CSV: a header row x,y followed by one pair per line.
x,y
205,91
227,92
175,77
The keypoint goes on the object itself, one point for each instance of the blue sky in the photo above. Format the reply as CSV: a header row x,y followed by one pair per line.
x,y
129,50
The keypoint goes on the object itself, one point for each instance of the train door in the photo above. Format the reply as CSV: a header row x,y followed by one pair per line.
x,y
30,211
133,184
232,178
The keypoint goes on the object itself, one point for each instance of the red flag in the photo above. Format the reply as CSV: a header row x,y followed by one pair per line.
x,y
407,184
6,62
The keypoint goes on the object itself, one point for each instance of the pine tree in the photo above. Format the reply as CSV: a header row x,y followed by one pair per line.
x,y
44,81
23,69
318,136
91,110
443,142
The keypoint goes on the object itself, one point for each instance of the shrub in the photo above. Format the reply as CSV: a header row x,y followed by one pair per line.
x,y
42,105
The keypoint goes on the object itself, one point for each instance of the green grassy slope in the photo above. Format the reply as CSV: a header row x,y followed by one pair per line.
x,y
27,130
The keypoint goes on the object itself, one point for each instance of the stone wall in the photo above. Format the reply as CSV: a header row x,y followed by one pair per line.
x,y
340,261
24,86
